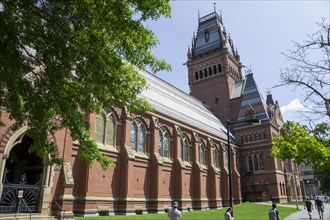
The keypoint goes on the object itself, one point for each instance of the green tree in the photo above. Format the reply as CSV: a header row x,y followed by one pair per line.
x,y
322,133
61,59
308,147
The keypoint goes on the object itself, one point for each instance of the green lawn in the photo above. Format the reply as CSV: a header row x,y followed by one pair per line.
x,y
246,211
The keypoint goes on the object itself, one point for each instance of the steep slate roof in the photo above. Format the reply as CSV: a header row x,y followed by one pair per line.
x,y
210,36
180,106
251,96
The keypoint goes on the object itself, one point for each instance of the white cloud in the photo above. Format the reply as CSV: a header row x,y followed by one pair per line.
x,y
293,110
293,107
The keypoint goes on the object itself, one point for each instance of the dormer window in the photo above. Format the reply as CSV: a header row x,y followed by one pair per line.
x,y
207,36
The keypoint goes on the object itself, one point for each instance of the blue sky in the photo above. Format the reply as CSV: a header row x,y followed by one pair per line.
x,y
261,31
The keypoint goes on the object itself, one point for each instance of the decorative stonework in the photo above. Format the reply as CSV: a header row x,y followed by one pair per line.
x,y
6,136
178,130
211,141
155,121
224,147
68,177
130,153
159,159
196,136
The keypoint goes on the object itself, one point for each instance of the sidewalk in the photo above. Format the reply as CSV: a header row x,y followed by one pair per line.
x,y
302,214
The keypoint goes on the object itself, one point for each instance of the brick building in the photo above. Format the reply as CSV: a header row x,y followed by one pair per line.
x,y
178,152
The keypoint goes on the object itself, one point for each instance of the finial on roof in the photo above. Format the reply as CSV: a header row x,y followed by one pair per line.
x,y
248,70
214,3
198,15
221,16
237,55
189,53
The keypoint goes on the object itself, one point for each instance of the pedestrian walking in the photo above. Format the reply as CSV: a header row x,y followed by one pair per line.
x,y
308,205
319,206
228,214
174,213
274,214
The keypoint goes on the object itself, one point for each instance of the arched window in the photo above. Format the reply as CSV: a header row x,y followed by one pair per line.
x,y
138,135
237,162
196,75
250,163
226,160
163,143
261,162
219,68
185,154
105,129
256,162
216,157
202,154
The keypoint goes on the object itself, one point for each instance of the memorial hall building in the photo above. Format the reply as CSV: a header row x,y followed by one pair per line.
x,y
177,152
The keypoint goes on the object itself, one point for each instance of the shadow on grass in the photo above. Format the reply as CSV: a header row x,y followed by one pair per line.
x,y
245,211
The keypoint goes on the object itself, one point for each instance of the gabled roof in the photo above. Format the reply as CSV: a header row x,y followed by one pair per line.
x,y
251,97
177,105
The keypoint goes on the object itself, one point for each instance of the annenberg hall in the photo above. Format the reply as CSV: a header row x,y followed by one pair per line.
x,y
181,151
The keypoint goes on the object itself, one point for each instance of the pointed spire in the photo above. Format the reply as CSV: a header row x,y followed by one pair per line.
x,y
189,53
220,12
237,55
224,32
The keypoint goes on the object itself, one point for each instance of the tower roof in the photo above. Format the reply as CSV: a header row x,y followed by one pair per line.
x,y
211,36
252,99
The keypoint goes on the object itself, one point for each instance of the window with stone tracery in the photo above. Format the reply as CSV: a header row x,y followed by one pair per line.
x,y
185,151
216,157
138,136
105,129
163,142
202,154
255,162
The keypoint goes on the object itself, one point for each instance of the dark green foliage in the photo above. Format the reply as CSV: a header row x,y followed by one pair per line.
x,y
60,59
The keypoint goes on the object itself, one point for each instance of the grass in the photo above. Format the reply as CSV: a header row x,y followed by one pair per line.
x,y
246,211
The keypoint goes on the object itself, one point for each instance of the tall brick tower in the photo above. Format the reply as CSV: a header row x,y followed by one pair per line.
x,y
213,66
215,78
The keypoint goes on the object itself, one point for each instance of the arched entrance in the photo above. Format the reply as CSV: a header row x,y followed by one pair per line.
x,y
22,179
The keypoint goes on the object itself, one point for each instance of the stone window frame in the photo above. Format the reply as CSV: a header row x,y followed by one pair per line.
x,y
161,134
208,70
138,124
185,139
108,117
255,162
216,157
202,153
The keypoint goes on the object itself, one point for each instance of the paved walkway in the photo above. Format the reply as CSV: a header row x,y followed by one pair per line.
x,y
302,214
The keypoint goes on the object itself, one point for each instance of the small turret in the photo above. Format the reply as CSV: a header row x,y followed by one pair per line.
x,y
238,58
189,54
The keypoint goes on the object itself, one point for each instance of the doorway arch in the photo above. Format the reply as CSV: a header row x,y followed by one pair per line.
x,y
21,176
